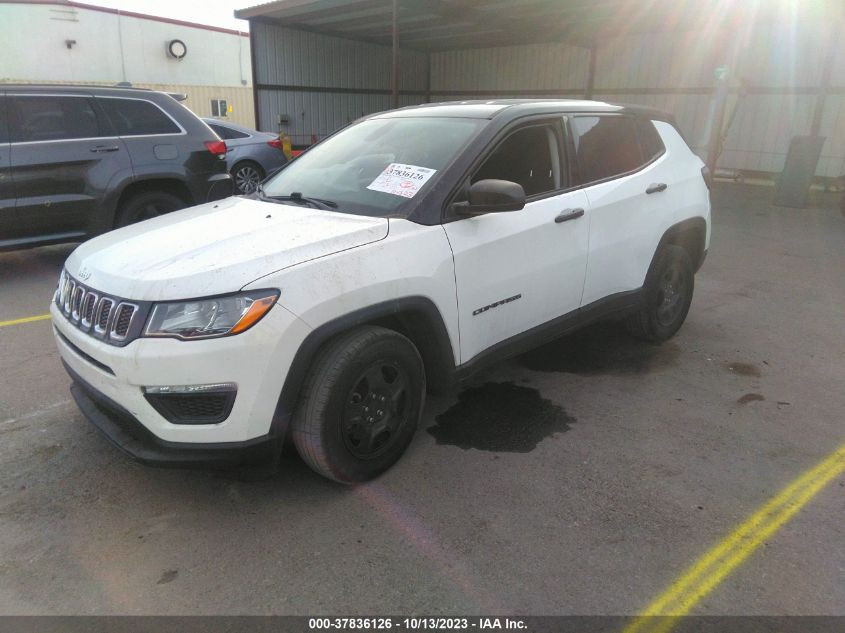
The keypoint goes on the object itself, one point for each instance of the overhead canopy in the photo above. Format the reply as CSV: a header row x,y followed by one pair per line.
x,y
459,24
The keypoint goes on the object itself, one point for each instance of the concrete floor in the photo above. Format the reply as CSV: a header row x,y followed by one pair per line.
x,y
579,479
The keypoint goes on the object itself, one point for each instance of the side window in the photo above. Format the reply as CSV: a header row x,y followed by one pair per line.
x,y
136,117
607,146
226,133
530,156
38,118
650,140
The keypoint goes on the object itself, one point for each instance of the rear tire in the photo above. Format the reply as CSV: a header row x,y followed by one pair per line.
x,y
667,297
146,205
360,404
247,175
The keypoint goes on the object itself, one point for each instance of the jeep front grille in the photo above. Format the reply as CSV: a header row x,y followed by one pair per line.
x,y
125,312
86,310
103,314
111,319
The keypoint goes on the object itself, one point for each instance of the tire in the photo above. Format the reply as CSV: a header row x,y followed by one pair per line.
x,y
247,175
667,298
345,427
146,205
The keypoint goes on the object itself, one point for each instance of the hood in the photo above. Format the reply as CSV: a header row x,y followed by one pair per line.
x,y
215,248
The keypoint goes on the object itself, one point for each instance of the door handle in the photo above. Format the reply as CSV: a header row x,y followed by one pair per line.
x,y
657,187
569,214
105,148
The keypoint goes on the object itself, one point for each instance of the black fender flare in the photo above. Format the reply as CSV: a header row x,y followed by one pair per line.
x,y
102,219
673,235
420,320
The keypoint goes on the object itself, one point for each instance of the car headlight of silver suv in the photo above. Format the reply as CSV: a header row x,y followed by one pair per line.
x,y
210,317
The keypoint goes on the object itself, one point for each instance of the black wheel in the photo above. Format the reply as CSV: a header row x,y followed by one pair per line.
x,y
143,206
360,404
668,294
247,176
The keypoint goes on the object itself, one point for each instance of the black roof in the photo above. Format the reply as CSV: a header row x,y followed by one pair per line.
x,y
125,91
514,108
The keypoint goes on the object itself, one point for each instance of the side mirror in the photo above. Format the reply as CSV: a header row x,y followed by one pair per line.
x,y
492,196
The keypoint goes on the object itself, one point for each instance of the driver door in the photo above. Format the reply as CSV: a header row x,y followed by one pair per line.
x,y
8,217
520,270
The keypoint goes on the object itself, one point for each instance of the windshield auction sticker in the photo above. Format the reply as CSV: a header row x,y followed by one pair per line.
x,y
402,180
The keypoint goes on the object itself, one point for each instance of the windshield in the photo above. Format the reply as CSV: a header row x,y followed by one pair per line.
x,y
374,167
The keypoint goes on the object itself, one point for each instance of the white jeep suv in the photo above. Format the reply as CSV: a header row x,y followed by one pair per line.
x,y
398,255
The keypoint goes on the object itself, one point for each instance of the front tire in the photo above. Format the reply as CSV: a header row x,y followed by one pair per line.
x,y
667,297
360,404
146,205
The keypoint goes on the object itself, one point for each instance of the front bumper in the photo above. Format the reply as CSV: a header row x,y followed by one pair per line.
x,y
256,361
134,439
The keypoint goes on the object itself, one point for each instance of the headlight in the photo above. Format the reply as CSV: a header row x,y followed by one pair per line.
x,y
208,318
60,289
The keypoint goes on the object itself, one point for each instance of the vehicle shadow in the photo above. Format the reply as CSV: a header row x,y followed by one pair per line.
x,y
604,348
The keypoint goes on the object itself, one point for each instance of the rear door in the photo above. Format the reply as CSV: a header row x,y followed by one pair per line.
x,y
64,155
521,269
626,212
166,140
7,190
151,135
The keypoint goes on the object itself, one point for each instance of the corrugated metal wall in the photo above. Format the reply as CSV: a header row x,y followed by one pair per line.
x,y
780,62
833,122
533,67
295,72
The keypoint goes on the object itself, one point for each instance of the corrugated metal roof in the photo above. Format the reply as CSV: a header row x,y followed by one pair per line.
x,y
461,24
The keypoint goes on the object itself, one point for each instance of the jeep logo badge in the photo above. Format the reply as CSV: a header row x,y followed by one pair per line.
x,y
84,274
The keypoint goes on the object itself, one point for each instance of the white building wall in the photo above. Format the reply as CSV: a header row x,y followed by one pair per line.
x,y
113,48
34,37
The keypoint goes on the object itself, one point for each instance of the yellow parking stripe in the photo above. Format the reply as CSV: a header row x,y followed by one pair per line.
x,y
713,567
40,317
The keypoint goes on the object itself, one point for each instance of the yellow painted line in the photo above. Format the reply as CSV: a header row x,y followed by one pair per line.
x,y
717,564
40,317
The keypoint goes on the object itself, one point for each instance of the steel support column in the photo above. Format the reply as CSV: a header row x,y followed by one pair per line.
x,y
824,84
591,70
395,79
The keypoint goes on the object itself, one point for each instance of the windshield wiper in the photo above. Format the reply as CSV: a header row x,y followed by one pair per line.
x,y
297,198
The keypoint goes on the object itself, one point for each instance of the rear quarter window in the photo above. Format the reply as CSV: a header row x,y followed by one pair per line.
x,y
227,134
606,146
650,141
137,117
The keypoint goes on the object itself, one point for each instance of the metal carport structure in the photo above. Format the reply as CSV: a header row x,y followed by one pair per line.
x,y
319,64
